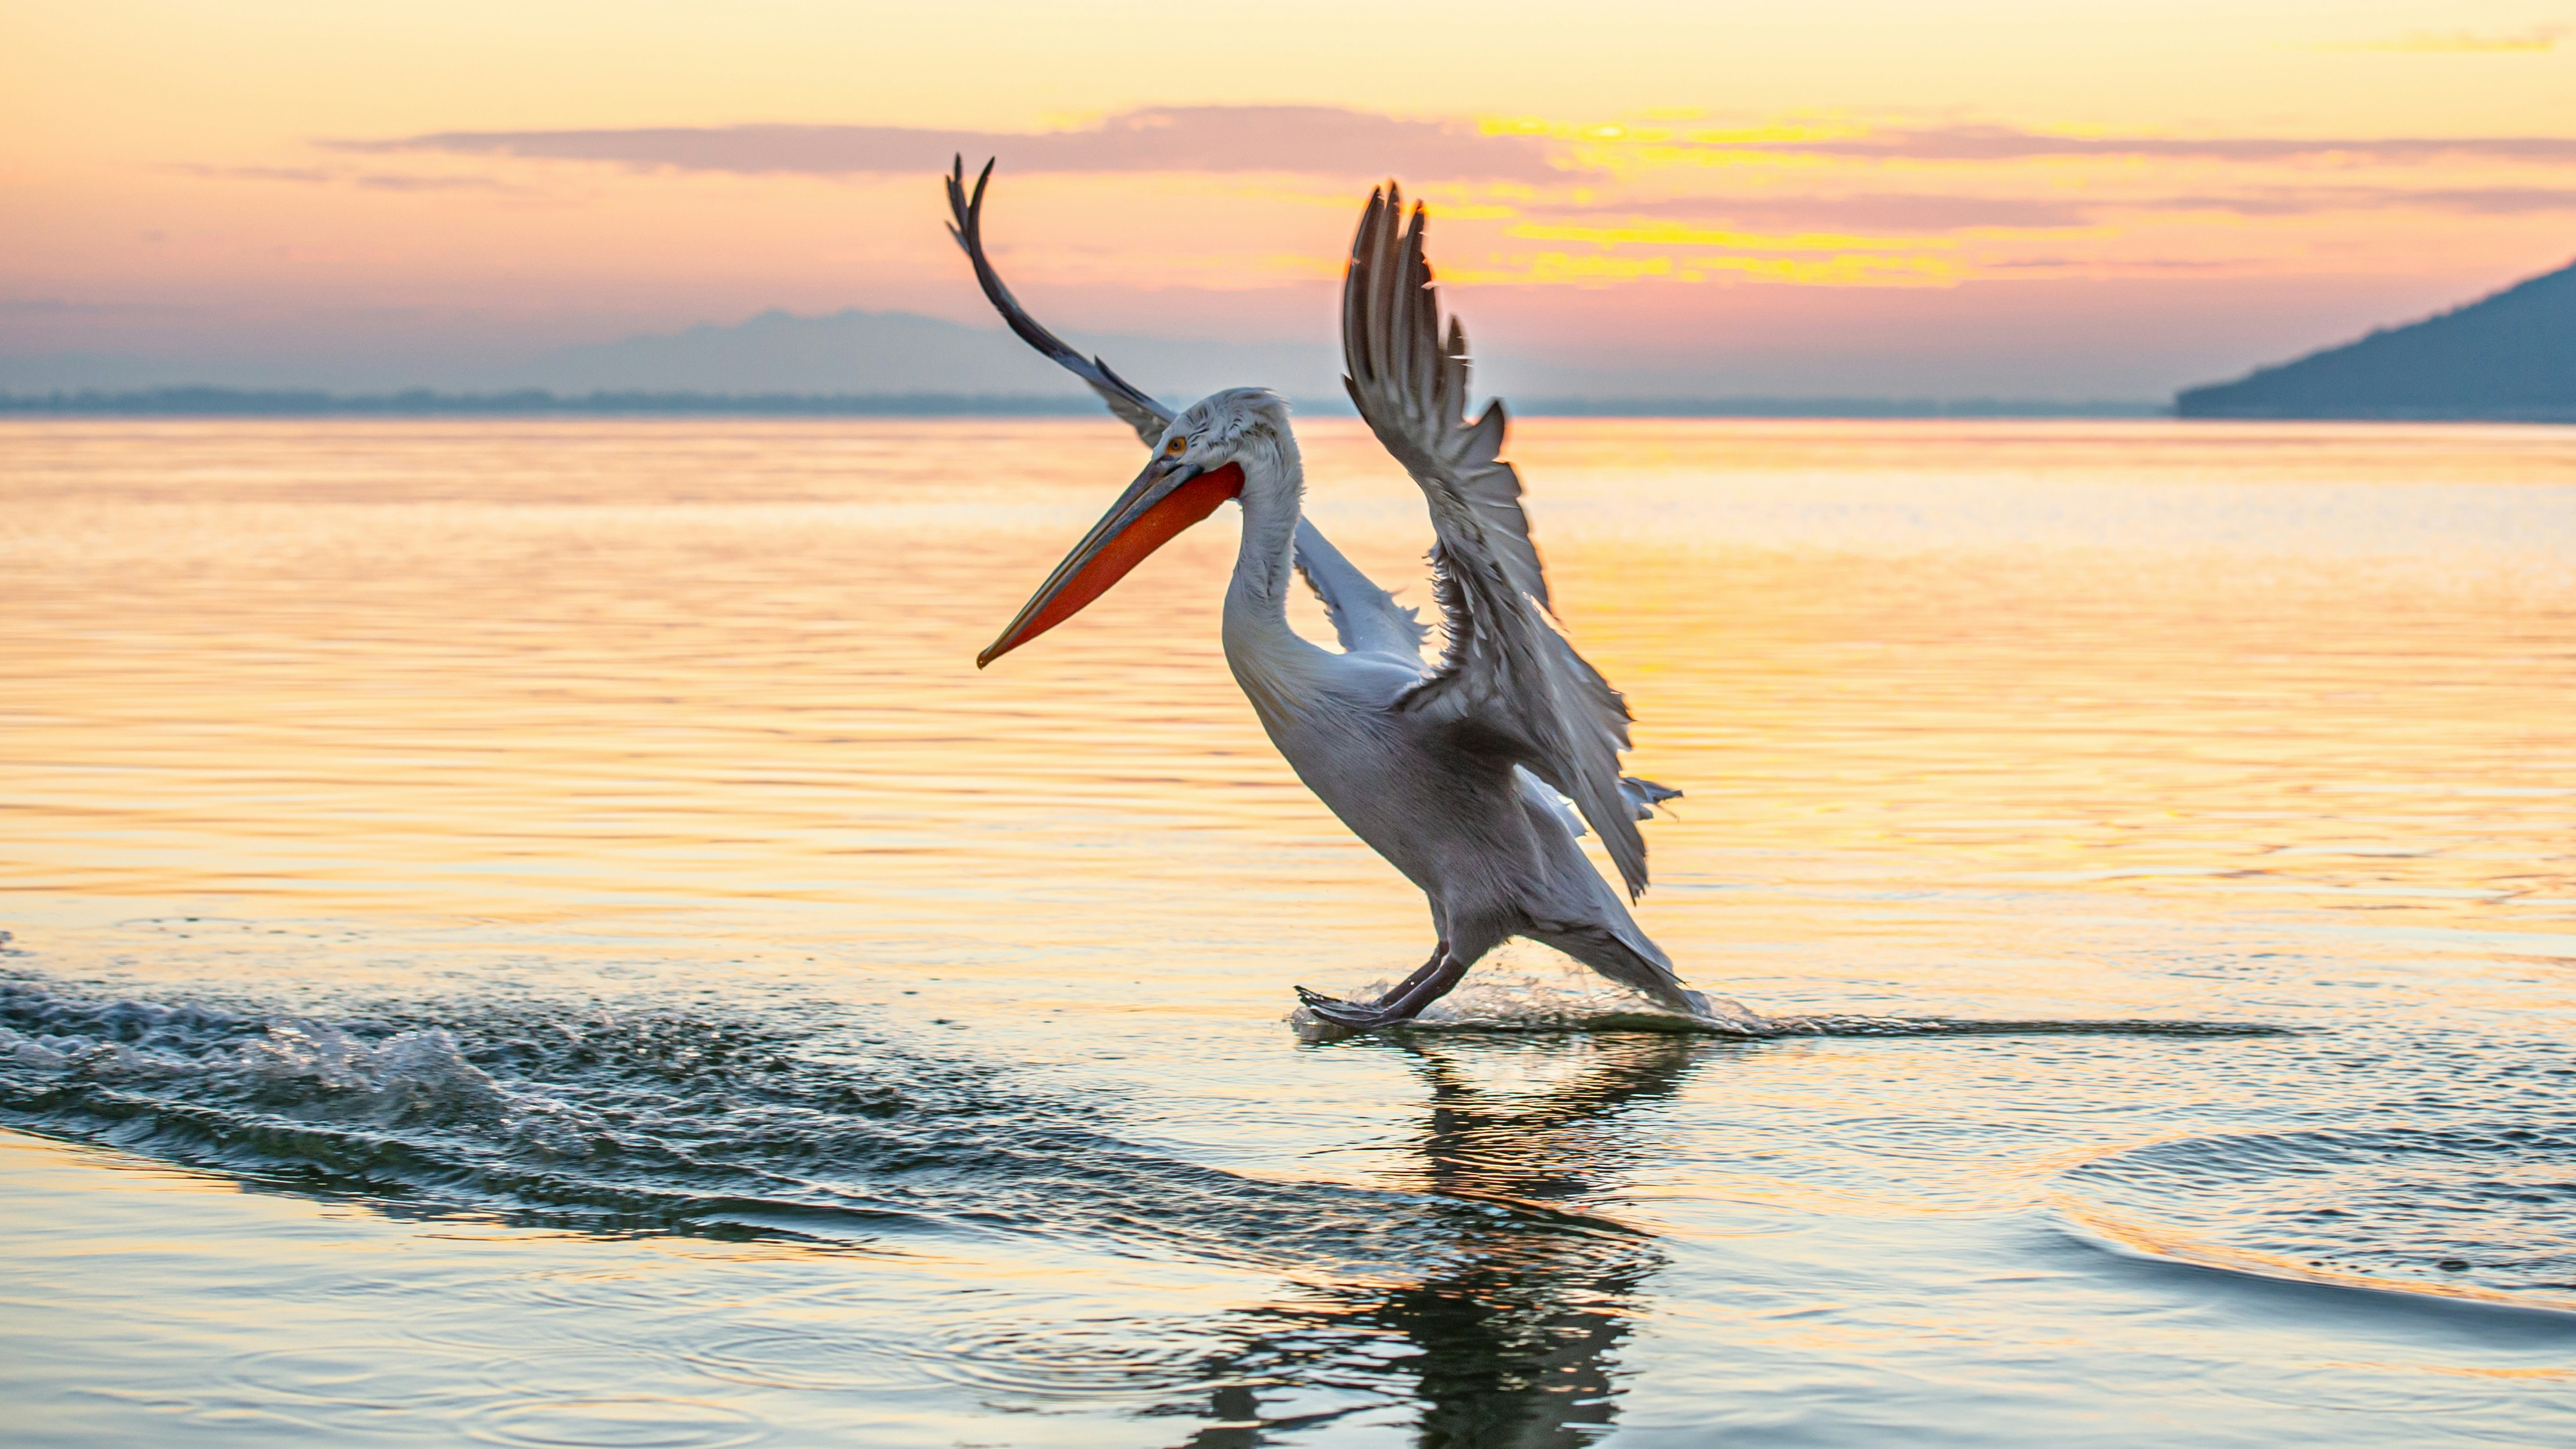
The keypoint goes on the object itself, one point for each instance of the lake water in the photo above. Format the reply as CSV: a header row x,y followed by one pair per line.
x,y
537,933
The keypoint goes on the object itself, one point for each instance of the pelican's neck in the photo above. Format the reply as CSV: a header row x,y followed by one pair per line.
x,y
1280,672
1274,480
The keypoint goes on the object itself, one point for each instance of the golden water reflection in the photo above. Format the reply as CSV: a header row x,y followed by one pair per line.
x,y
1997,719
1512,1339
696,673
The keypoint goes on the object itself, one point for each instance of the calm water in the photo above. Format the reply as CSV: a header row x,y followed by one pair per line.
x,y
537,933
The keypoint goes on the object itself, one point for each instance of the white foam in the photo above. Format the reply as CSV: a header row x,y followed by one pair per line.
x,y
417,1075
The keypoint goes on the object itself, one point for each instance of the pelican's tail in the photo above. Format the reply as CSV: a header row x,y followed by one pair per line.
x,y
1626,957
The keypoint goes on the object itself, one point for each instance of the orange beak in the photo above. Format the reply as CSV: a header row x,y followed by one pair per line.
x,y
1165,499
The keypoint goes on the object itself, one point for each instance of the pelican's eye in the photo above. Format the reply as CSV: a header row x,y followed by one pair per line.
x,y
1176,447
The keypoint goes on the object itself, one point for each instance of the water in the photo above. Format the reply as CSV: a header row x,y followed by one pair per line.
x,y
536,933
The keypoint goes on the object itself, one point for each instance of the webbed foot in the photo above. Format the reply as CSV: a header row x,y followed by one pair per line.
x,y
1732,1017
1351,1014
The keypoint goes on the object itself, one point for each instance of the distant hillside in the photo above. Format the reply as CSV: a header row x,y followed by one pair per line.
x,y
896,353
878,363
2509,357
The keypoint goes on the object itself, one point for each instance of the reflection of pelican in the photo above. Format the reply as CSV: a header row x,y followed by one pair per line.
x,y
1439,768
1524,1295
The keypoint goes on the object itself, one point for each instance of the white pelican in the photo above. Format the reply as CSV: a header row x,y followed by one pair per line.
x,y
1458,772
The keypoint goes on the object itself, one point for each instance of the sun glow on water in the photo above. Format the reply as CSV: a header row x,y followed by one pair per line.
x,y
573,874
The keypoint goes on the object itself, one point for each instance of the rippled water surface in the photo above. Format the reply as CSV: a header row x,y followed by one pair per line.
x,y
537,933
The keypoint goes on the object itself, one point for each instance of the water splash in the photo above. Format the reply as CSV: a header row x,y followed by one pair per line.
x,y
1570,1002
687,1122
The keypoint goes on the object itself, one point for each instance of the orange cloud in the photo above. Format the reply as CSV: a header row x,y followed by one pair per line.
x,y
1323,140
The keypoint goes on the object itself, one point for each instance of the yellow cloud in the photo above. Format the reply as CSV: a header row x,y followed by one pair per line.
x,y
1775,135
1625,159
1558,269
1550,269
1569,130
1682,234
1770,134
1625,148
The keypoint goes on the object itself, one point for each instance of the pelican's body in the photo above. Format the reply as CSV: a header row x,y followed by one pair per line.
x,y
1490,848
1459,771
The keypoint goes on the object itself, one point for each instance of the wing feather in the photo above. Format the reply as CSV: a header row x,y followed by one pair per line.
x,y
1131,403
1366,618
1508,674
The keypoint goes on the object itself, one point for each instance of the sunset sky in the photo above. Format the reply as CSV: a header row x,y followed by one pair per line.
x,y
1840,197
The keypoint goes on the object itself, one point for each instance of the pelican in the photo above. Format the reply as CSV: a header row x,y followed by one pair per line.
x,y
1460,770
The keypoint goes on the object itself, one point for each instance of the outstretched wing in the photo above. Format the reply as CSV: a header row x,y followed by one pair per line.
x,y
1508,675
1365,617
1127,400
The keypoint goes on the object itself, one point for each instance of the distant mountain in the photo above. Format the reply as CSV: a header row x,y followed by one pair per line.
x,y
901,362
844,354
857,353
2509,357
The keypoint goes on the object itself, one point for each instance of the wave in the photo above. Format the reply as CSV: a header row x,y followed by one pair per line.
x,y
696,1122
2469,1211
652,1120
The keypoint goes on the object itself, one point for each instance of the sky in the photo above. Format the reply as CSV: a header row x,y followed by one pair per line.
x,y
1836,198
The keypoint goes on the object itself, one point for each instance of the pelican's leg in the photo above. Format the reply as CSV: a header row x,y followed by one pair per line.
x,y
1320,1004
1407,1002
1402,1002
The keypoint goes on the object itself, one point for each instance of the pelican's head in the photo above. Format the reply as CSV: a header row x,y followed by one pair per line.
x,y
1203,459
